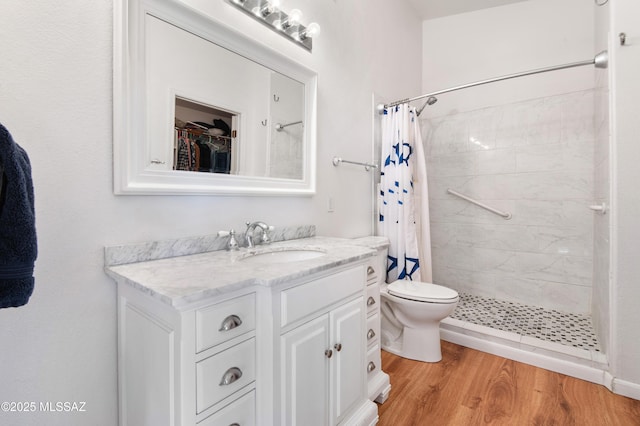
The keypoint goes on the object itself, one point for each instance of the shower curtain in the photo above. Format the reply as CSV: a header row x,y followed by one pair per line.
x,y
403,197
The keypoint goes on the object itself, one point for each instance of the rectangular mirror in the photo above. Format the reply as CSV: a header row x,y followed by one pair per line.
x,y
201,109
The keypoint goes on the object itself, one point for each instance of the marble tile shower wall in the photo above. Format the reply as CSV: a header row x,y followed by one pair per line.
x,y
534,159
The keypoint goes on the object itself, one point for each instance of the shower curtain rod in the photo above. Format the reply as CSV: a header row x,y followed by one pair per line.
x,y
600,61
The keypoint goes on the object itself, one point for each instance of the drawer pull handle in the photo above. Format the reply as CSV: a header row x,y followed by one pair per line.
x,y
371,367
234,424
328,353
232,374
371,334
370,270
230,322
371,301
338,347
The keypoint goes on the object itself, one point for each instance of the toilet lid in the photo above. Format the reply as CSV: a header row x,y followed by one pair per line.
x,y
424,292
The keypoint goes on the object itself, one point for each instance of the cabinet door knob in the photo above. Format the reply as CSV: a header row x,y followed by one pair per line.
x,y
371,334
338,347
230,322
370,270
328,353
232,374
371,301
371,367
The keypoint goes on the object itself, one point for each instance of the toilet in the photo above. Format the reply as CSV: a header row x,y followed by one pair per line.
x,y
411,315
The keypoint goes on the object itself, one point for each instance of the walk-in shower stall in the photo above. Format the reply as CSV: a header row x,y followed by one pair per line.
x,y
514,209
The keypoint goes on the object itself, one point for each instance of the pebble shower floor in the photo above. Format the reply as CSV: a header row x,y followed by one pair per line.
x,y
545,324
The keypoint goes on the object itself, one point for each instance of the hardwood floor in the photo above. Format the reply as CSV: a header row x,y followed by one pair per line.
x,y
469,387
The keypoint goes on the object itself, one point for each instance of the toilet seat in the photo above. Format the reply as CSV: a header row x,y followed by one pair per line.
x,y
422,292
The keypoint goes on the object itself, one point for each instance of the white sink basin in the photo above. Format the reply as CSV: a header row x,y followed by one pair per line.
x,y
281,256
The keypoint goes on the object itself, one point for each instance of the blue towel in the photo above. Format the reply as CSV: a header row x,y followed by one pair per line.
x,y
18,245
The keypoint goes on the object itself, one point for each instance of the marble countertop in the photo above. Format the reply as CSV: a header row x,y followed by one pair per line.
x,y
180,281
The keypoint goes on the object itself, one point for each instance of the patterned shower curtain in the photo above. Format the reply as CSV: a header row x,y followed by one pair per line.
x,y
404,200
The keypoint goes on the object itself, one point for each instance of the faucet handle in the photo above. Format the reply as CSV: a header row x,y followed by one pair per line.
x,y
266,238
233,243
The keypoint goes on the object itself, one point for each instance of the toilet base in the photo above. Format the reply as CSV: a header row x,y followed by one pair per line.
x,y
411,329
416,344
422,344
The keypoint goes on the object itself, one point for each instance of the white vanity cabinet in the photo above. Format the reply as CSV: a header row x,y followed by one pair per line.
x,y
209,340
378,386
185,367
322,350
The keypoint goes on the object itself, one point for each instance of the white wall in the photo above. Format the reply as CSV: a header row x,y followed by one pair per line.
x,y
55,98
494,42
600,307
625,15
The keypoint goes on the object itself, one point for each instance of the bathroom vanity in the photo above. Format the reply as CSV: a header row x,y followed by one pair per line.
x,y
282,334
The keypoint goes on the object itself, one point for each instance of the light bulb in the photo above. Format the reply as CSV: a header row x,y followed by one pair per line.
x,y
313,30
294,17
266,10
292,20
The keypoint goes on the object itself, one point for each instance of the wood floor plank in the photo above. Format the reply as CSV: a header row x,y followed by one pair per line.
x,y
469,387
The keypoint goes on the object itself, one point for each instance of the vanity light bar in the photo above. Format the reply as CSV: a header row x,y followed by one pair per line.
x,y
288,25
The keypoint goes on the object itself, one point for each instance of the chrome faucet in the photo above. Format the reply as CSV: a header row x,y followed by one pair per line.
x,y
251,227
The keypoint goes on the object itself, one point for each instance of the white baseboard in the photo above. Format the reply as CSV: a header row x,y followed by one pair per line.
x,y
608,380
624,388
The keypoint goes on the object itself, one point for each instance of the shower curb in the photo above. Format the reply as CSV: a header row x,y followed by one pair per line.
x,y
532,351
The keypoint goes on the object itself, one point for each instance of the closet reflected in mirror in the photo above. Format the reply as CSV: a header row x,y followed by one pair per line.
x,y
208,138
204,138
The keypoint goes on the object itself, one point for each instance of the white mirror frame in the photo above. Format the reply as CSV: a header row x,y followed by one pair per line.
x,y
132,172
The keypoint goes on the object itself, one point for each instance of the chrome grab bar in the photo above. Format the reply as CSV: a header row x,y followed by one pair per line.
x,y
367,166
279,126
507,216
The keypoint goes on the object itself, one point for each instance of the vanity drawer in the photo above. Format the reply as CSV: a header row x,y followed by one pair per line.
x,y
373,330
303,300
373,298
223,321
241,412
224,373
374,361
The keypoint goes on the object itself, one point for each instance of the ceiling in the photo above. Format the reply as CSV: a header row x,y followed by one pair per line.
x,y
430,9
